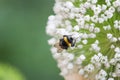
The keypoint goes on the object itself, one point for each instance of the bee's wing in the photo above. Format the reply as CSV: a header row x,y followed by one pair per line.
x,y
59,49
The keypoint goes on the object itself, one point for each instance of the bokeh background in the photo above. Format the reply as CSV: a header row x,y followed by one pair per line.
x,y
23,41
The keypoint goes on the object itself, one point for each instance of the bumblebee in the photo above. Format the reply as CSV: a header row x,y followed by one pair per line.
x,y
65,42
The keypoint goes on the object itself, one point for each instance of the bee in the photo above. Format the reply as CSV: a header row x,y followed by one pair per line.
x,y
65,42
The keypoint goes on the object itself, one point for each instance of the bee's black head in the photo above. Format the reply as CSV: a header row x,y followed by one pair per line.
x,y
69,38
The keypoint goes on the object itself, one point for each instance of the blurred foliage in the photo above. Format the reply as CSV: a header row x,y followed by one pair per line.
x,y
9,73
23,41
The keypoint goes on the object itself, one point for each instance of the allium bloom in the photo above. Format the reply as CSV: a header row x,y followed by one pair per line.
x,y
95,24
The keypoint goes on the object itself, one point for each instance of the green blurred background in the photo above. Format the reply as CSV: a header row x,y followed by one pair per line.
x,y
23,41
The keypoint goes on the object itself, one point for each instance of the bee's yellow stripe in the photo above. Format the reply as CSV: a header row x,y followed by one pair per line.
x,y
66,40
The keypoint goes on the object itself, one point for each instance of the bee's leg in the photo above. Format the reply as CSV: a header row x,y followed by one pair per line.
x,y
73,43
60,42
66,47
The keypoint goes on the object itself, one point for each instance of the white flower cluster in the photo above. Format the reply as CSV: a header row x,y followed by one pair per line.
x,y
95,24
101,75
95,46
99,60
117,24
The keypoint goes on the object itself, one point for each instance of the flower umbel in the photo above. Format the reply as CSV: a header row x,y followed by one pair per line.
x,y
95,24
